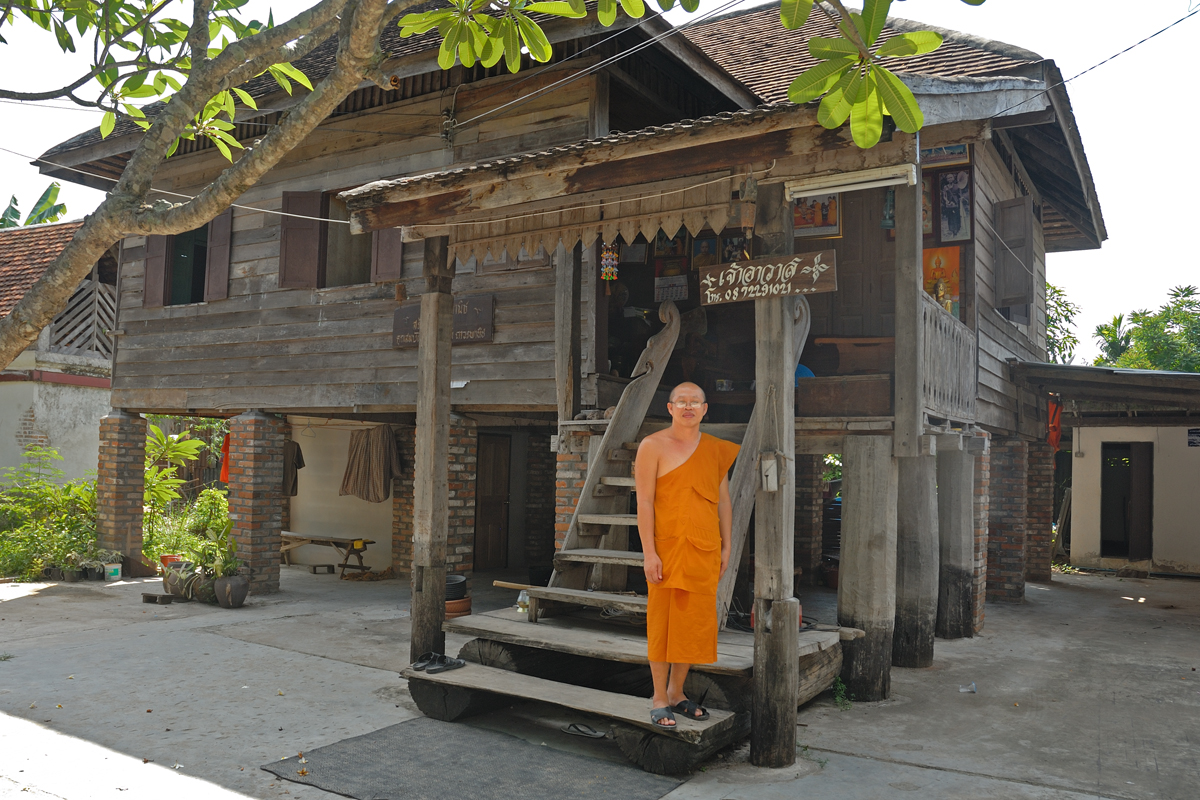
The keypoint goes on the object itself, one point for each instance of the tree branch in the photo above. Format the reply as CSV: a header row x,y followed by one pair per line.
x,y
846,26
198,38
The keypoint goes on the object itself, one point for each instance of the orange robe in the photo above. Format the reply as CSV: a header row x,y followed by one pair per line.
x,y
681,618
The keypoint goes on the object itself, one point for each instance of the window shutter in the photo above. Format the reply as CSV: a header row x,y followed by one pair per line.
x,y
155,285
1014,252
216,273
387,255
300,241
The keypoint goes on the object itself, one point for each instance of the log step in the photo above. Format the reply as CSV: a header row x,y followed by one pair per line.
x,y
616,480
608,519
620,707
590,555
580,597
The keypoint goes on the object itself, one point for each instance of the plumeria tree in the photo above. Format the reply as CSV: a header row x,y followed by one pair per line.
x,y
178,68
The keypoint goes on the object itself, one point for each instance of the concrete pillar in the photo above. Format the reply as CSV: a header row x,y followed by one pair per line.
x,y
867,579
956,536
1039,531
120,482
983,498
810,516
1007,520
916,562
256,495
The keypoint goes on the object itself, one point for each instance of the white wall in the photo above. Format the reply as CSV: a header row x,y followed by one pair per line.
x,y
68,415
1176,523
318,509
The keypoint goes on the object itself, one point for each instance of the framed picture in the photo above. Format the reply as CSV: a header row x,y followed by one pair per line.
x,y
634,253
927,205
670,279
940,271
670,247
818,216
954,205
734,247
705,252
948,156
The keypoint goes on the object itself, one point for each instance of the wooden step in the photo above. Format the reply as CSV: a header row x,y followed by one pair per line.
x,y
630,603
621,707
618,481
608,519
620,454
591,555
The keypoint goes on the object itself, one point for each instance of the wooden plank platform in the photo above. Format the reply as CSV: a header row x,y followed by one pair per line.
x,y
609,519
623,708
591,555
618,481
631,603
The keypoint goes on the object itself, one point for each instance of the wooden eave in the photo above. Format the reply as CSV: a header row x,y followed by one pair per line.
x,y
1177,390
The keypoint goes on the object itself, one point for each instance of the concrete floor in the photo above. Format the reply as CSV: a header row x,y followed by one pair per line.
x,y
1086,690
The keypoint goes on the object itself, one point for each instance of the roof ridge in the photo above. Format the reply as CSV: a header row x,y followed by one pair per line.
x,y
41,225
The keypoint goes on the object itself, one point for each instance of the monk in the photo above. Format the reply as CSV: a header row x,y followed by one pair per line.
x,y
685,519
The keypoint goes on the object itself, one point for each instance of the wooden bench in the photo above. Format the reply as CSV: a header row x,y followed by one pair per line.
x,y
345,547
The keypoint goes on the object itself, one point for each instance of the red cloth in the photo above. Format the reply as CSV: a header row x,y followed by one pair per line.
x,y
1054,424
225,460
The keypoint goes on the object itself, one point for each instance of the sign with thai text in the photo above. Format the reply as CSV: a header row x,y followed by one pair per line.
x,y
772,276
472,321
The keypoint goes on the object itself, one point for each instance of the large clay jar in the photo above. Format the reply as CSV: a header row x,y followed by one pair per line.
x,y
231,592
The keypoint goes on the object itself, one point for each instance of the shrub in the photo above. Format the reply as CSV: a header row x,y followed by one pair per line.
x,y
43,521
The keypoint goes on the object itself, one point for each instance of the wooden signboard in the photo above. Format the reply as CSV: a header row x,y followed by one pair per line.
x,y
472,321
773,276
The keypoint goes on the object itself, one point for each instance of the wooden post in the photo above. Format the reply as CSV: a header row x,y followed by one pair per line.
x,y
916,562
867,579
956,532
430,484
776,654
910,411
568,278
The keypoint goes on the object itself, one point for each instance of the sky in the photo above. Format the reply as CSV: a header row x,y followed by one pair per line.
x,y
1133,114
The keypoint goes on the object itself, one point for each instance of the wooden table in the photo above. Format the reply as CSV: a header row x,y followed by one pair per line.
x,y
345,547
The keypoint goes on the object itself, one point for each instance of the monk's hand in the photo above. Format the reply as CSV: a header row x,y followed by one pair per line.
x,y
653,568
724,562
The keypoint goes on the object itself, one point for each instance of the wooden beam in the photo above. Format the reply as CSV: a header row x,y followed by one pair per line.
x,y
430,483
909,405
776,679
956,537
916,562
568,277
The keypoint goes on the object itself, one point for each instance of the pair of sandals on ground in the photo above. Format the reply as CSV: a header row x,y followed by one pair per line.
x,y
433,663
665,717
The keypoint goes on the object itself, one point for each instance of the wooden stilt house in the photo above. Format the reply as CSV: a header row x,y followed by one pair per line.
x,y
830,300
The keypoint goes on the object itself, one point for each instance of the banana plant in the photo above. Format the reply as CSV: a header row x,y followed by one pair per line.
x,y
46,209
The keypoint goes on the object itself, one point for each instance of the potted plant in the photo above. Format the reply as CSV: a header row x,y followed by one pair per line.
x,y
219,564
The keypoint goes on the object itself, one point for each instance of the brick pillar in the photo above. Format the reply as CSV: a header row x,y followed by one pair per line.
x,y
1039,513
541,464
120,482
402,502
1008,515
810,504
460,537
256,495
983,471
285,506
568,480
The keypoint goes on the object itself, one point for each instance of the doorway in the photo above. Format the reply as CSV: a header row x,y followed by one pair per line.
x,y
1126,500
492,501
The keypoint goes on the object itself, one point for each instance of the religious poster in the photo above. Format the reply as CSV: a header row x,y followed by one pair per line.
x,y
670,279
671,247
771,276
734,247
705,252
818,216
926,205
940,270
948,155
954,205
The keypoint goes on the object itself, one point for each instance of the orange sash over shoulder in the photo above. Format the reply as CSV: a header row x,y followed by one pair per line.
x,y
687,531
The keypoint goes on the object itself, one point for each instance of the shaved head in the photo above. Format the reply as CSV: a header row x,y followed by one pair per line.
x,y
688,385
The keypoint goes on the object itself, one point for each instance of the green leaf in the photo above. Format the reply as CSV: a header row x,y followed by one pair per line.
x,y
558,8
606,12
535,38
65,42
295,74
874,15
866,118
283,82
910,44
512,44
144,91
246,99
835,108
11,217
47,208
900,102
666,5
825,47
466,46
107,123
814,82
634,8
449,45
689,5
794,13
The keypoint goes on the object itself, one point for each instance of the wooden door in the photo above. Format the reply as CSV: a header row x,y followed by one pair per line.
x,y
491,502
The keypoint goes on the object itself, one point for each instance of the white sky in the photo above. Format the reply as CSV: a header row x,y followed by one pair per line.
x,y
1128,111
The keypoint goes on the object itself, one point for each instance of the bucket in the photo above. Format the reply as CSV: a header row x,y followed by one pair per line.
x,y
167,560
112,572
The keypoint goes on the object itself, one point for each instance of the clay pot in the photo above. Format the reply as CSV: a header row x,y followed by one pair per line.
x,y
231,592
204,591
458,608
72,575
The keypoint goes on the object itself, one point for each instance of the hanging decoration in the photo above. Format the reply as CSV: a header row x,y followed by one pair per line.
x,y
608,266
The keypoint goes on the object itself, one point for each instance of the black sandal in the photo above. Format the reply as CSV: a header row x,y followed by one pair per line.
x,y
444,664
423,661
657,715
689,709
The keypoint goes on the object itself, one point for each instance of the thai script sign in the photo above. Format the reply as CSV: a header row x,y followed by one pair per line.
x,y
472,321
773,276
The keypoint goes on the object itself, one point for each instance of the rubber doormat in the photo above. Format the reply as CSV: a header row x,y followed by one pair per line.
x,y
423,759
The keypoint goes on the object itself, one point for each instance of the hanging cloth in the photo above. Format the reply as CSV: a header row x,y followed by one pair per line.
x,y
293,461
1054,424
225,460
372,463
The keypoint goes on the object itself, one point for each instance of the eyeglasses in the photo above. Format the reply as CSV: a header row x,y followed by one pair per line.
x,y
690,404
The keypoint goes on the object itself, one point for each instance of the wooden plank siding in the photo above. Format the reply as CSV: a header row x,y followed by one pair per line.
x,y
330,349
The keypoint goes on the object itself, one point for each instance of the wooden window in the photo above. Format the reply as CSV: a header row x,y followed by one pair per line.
x,y
387,255
155,276
314,254
347,257
1014,255
300,241
186,267
220,235
191,267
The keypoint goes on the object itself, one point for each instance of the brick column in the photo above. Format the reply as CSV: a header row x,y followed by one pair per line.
x,y
983,471
402,502
1007,519
460,537
256,495
541,465
810,505
1040,513
569,476
120,482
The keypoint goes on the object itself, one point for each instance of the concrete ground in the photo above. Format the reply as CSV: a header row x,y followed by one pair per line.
x,y
1086,690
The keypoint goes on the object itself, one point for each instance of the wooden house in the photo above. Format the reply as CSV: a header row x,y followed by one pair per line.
x,y
499,203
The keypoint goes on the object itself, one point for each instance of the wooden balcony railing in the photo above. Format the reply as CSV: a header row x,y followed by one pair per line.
x,y
949,364
83,328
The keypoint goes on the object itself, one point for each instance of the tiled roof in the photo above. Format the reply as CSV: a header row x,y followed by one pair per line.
x,y
24,255
757,50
